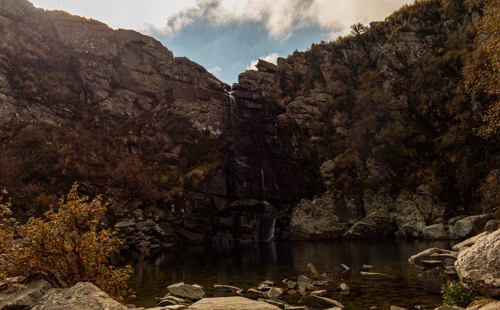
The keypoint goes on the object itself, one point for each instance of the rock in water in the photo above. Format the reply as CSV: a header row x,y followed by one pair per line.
x,y
225,289
426,258
274,293
231,303
433,279
479,266
313,272
319,302
81,296
187,291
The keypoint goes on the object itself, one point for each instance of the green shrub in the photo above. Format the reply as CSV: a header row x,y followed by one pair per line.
x,y
455,294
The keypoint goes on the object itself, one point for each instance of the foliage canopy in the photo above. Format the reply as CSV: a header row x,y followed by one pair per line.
x,y
66,246
483,69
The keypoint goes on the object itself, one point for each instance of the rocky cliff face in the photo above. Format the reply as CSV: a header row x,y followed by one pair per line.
x,y
375,118
363,137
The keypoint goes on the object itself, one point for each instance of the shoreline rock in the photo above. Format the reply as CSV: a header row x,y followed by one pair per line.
x,y
479,266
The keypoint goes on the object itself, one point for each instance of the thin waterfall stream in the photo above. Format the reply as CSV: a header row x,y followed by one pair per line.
x,y
263,186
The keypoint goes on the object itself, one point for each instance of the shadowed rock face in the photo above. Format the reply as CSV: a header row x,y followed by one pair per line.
x,y
342,128
113,78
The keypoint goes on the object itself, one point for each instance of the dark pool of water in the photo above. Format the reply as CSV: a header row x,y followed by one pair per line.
x,y
246,266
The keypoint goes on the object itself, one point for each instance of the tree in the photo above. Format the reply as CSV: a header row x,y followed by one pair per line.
x,y
483,68
64,247
358,28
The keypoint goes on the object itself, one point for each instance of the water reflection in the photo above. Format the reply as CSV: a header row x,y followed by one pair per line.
x,y
246,265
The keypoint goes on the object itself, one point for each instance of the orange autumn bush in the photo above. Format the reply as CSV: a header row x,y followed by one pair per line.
x,y
66,246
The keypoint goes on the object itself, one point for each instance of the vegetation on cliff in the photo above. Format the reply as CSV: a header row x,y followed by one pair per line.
x,y
400,113
407,102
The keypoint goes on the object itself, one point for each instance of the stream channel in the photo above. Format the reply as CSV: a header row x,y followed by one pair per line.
x,y
247,265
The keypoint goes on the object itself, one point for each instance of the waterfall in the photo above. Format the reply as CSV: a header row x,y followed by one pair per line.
x,y
232,105
271,229
263,185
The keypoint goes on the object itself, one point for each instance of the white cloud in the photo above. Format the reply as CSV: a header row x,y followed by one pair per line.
x,y
214,70
283,17
280,17
272,58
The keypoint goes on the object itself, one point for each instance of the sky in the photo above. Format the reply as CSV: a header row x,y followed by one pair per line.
x,y
227,37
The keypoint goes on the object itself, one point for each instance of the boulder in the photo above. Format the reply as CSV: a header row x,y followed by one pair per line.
x,y
479,266
319,293
344,289
408,218
431,258
492,225
291,284
305,286
315,219
376,225
171,301
469,226
225,289
319,302
313,272
274,293
231,303
81,296
433,279
194,292
25,297
434,232
494,305
469,242
484,304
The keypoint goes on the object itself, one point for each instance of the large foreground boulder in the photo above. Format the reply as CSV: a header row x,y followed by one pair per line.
x,y
81,296
231,303
479,266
